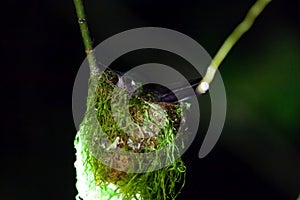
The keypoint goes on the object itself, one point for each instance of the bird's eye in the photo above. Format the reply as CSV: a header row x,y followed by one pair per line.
x,y
128,84
133,83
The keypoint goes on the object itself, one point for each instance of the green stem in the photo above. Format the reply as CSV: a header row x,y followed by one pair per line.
x,y
237,33
86,35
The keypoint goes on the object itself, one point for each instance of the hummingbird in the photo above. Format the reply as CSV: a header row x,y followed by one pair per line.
x,y
179,92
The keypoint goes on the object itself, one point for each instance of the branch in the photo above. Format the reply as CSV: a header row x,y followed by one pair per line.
x,y
237,33
85,35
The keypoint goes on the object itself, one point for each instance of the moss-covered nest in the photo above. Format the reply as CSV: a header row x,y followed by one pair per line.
x,y
150,126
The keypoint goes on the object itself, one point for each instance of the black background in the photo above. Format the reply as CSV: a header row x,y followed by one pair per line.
x,y
41,51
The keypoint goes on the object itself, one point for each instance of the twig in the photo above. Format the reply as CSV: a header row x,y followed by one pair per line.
x,y
86,36
242,28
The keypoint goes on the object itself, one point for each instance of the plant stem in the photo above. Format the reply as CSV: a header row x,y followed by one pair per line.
x,y
86,35
242,28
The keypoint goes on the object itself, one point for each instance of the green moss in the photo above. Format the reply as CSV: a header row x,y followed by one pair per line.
x,y
159,122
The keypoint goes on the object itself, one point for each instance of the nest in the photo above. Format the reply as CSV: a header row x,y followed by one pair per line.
x,y
154,126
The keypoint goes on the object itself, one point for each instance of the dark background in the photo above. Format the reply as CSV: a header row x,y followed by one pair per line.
x,y
258,154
